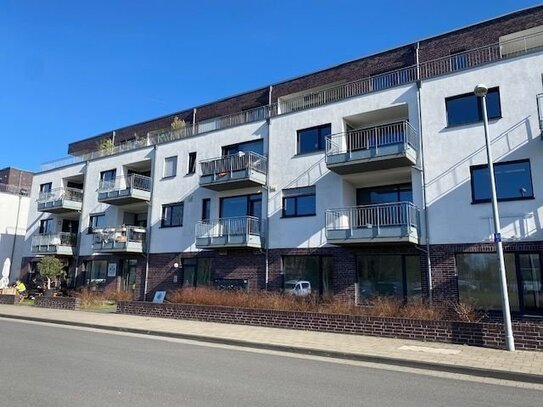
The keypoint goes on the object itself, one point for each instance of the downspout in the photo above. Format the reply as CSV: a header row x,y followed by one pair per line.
x,y
16,224
267,187
149,225
423,176
79,232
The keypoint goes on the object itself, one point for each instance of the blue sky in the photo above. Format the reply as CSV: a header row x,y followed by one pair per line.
x,y
73,69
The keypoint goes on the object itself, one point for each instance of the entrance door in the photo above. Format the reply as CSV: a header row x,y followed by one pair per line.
x,y
128,275
531,283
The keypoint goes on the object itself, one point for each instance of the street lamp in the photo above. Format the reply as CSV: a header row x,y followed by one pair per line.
x,y
481,91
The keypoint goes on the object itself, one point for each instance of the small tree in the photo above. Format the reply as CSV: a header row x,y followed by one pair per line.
x,y
106,145
50,268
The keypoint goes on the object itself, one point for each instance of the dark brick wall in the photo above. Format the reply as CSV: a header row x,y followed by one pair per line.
x,y
11,176
68,303
528,336
9,299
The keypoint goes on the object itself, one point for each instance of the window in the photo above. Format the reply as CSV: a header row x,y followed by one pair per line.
x,y
97,273
46,187
313,139
96,221
384,194
206,208
299,202
467,108
108,175
197,272
172,215
317,270
243,205
192,163
513,181
389,276
46,226
256,146
170,167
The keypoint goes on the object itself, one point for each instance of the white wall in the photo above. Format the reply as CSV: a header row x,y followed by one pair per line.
x,y
13,221
449,152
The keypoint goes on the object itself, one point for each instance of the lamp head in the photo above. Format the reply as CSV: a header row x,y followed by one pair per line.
x,y
480,90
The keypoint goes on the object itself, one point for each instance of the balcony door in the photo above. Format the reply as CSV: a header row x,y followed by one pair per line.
x,y
384,194
240,206
256,146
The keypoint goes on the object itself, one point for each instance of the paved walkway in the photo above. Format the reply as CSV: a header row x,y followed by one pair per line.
x,y
519,365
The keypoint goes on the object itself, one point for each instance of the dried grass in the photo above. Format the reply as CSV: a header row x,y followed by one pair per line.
x,y
96,299
378,307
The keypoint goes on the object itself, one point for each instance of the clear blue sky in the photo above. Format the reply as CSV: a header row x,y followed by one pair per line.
x,y
72,69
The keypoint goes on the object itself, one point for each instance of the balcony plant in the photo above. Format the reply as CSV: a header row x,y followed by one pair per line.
x,y
106,145
177,123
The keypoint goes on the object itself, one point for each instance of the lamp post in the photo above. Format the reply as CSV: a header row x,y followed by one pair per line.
x,y
481,91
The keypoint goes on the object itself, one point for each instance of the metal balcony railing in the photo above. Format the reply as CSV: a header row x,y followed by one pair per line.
x,y
55,239
372,137
120,234
133,181
373,216
235,162
71,194
224,227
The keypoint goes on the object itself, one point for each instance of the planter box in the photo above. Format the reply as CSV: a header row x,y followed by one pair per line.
x,y
528,335
67,303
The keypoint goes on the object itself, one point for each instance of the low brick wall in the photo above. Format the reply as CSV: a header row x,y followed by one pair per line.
x,y
528,335
9,299
68,303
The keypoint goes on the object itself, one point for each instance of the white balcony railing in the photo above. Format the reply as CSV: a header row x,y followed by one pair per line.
x,y
119,235
70,194
55,239
234,162
225,227
372,137
373,216
133,181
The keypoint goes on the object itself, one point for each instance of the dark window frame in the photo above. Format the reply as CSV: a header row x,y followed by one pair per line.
x,y
91,217
206,209
396,188
43,229
43,186
104,173
224,149
487,200
163,219
295,198
320,139
321,274
249,198
191,165
479,108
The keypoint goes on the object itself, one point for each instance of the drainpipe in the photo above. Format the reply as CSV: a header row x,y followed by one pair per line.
x,y
423,176
79,232
16,225
149,224
267,187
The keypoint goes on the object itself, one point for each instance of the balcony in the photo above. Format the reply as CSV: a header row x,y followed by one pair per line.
x,y
62,244
60,200
540,112
373,148
381,223
127,190
225,233
234,171
123,239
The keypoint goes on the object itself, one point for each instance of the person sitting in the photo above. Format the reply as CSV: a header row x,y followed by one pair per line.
x,y
20,288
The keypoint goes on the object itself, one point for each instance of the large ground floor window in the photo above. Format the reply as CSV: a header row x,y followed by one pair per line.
x,y
478,281
315,269
96,273
198,272
388,275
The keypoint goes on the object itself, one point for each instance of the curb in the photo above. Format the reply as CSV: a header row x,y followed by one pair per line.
x,y
465,370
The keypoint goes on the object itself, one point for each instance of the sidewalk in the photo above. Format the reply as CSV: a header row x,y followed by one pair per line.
x,y
517,366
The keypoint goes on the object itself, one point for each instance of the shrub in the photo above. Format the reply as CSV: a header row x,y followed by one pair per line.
x,y
50,268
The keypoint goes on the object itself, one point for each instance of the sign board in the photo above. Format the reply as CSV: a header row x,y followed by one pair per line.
x,y
112,269
497,237
159,297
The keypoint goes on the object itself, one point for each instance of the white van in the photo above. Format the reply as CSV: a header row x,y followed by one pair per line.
x,y
299,288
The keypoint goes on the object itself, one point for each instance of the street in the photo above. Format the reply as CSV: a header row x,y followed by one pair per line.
x,y
46,365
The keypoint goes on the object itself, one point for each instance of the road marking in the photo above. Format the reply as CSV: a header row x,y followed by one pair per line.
x,y
426,349
370,365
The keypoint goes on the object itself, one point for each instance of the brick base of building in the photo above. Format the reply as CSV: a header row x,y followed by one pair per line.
x,y
9,299
67,303
528,336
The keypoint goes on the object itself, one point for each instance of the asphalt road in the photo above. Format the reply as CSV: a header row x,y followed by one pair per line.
x,y
44,365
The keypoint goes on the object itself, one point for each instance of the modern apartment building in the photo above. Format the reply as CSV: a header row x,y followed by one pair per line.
x,y
15,188
366,179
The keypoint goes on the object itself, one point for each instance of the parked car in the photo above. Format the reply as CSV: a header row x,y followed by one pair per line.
x,y
299,288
